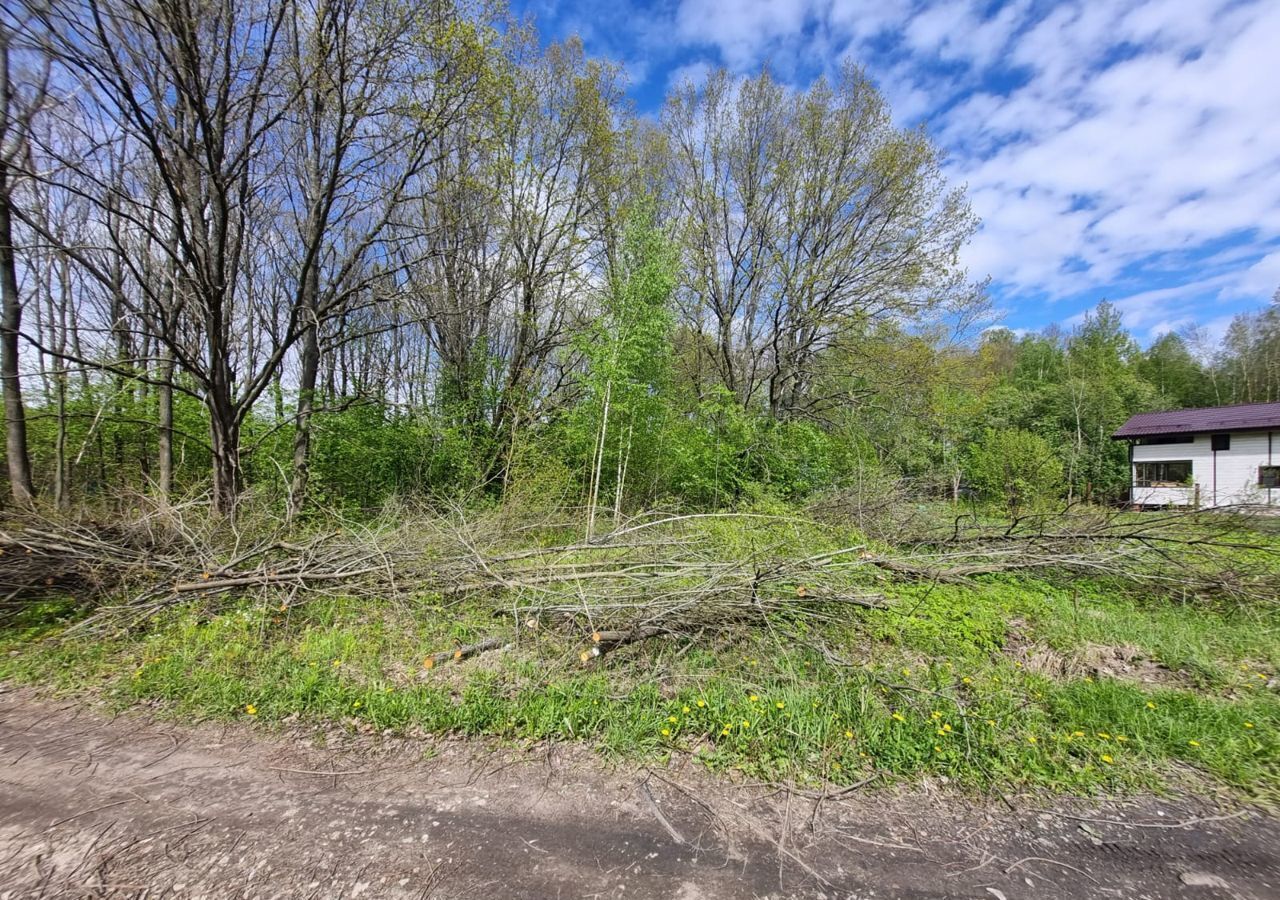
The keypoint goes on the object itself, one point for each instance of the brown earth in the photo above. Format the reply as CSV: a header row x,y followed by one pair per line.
x,y
93,806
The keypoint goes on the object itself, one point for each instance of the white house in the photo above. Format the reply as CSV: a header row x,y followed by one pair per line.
x,y
1219,456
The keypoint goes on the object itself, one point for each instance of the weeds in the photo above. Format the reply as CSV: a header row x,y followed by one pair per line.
x,y
932,688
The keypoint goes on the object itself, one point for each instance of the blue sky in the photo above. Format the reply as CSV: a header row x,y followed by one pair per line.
x,y
1115,149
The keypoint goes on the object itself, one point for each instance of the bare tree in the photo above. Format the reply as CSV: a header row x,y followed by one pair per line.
x,y
17,107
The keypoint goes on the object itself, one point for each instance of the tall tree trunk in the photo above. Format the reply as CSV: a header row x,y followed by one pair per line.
x,y
164,417
224,435
302,428
15,420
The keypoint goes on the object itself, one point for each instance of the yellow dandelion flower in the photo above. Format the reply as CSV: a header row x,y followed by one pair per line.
x,y
1077,734
835,767
1193,743
724,732
251,709
746,724
900,717
780,705
1259,675
686,710
672,719
1107,759
937,749
1104,735
849,735
966,680
1248,724
1089,678
666,732
753,698
702,703
940,732
935,715
946,728
357,705
906,671
1121,738
1031,739
1150,705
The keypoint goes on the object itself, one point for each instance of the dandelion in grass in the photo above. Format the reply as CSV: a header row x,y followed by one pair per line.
x,y
906,672
1031,739
935,715
686,710
946,729
701,703
357,705
672,719
1076,734
966,680
937,748
1104,735
1150,705
1193,743
899,717
1106,758
666,732
835,767
251,709
1121,738
746,723
754,698
1248,724
780,705
848,735
724,732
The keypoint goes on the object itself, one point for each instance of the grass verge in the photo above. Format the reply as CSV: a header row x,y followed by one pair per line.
x,y
1006,683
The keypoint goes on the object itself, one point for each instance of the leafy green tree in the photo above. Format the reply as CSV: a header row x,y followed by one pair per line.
x,y
628,353
1173,370
1015,468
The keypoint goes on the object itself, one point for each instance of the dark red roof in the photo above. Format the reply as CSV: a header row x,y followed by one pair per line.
x,y
1245,417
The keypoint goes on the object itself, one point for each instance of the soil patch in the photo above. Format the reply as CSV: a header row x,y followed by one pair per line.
x,y
128,806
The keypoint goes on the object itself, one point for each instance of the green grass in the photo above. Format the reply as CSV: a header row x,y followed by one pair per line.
x,y
932,687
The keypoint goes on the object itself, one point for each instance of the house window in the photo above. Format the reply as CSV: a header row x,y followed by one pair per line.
x,y
1269,476
1167,439
1221,442
1162,474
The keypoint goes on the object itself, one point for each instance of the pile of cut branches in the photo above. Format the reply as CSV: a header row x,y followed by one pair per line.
x,y
139,565
652,574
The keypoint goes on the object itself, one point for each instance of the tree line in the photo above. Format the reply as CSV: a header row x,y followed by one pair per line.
x,y
337,250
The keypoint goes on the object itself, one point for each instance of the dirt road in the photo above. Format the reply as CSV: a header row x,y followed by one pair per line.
x,y
92,806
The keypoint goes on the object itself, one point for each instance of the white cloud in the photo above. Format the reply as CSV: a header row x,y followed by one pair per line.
x,y
1105,145
694,73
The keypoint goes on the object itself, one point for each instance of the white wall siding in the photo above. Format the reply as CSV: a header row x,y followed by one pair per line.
x,y
1225,478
